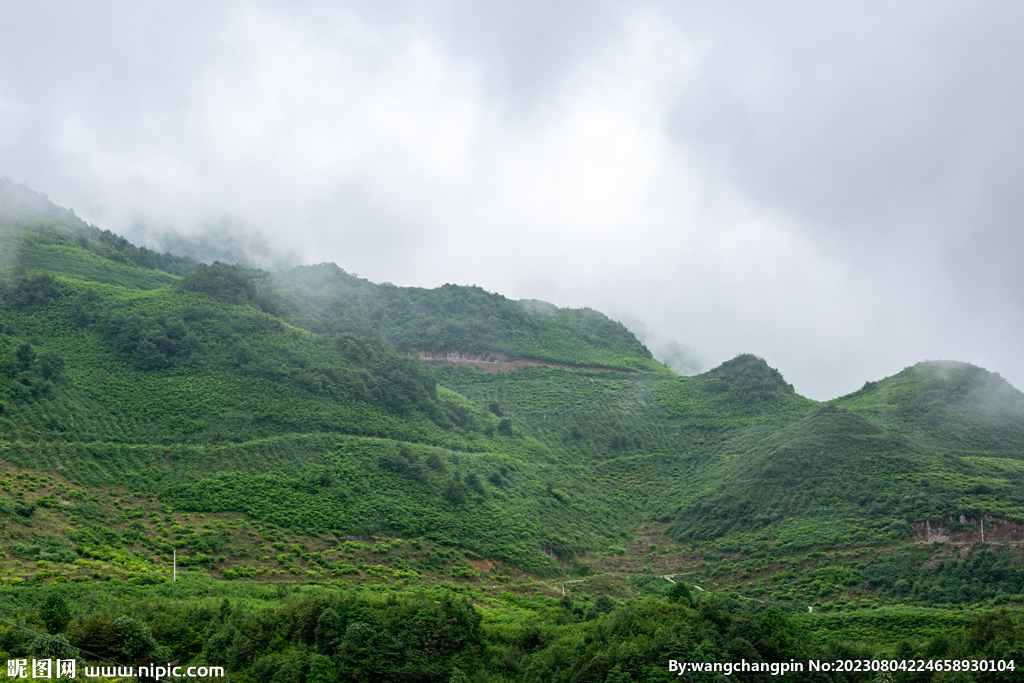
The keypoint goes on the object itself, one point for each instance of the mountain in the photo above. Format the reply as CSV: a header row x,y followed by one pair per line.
x,y
310,426
947,404
326,299
193,388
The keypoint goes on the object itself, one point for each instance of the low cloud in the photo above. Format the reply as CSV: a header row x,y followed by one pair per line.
x,y
832,188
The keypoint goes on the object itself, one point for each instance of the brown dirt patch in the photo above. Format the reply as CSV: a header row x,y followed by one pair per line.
x,y
483,565
969,531
494,362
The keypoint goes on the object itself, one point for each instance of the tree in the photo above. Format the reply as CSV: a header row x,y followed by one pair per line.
x,y
50,365
55,647
394,463
604,604
135,640
242,354
56,613
31,292
79,314
617,675
330,629
221,281
26,356
473,479
454,493
148,357
680,593
322,670
215,649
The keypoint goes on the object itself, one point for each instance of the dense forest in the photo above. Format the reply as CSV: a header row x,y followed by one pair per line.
x,y
336,510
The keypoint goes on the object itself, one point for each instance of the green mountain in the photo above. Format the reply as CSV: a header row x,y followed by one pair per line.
x,y
204,390
946,404
326,299
281,428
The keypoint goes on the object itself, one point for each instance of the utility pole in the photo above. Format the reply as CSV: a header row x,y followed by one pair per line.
x,y
175,565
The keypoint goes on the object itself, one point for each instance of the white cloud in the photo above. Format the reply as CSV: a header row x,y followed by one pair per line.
x,y
834,188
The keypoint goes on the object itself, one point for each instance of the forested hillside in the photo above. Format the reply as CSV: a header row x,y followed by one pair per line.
x,y
326,299
947,404
339,511
188,387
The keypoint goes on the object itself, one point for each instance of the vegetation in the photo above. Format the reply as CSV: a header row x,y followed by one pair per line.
x,y
338,511
947,404
445,633
325,298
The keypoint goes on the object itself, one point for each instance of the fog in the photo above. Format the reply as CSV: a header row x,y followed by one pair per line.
x,y
833,188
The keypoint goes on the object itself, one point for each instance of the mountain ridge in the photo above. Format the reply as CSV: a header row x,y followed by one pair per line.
x,y
267,428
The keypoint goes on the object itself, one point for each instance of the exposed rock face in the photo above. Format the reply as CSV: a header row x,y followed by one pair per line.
x,y
967,530
455,357
488,361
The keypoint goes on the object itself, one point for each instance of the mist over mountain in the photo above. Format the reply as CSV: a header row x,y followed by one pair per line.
x,y
310,426
512,342
807,184
228,241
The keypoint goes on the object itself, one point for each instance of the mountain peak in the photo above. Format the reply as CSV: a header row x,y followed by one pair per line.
x,y
748,378
948,403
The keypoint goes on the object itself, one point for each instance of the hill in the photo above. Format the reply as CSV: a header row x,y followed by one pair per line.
x,y
597,512
327,299
184,369
196,389
946,404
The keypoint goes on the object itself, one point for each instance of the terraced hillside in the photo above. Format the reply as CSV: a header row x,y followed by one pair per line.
x,y
280,428
196,389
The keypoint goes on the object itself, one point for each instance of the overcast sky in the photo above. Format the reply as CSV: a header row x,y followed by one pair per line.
x,y
835,187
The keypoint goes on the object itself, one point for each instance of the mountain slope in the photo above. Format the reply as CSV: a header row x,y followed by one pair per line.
x,y
947,404
469,319
197,389
740,392
285,397
35,234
